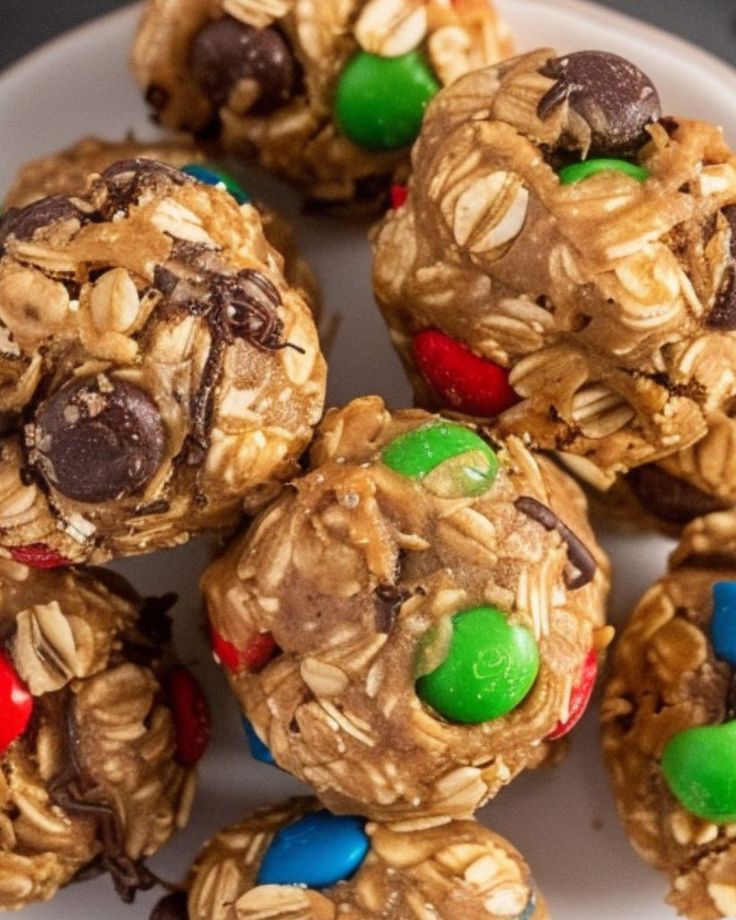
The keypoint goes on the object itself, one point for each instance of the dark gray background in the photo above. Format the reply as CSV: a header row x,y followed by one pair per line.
x,y
29,23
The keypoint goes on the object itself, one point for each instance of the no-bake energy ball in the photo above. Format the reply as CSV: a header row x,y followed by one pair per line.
x,y
297,860
67,172
416,619
326,93
564,262
99,734
156,369
669,722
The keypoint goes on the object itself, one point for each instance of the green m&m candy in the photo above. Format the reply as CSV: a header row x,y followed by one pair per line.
x,y
576,172
699,765
380,101
487,666
450,460
213,175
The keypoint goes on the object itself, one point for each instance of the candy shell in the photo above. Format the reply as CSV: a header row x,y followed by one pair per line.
x,y
489,667
318,850
16,704
38,556
190,714
577,172
698,764
579,698
723,622
213,175
459,378
258,749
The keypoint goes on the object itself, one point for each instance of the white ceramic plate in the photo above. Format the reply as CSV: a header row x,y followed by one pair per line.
x,y
563,820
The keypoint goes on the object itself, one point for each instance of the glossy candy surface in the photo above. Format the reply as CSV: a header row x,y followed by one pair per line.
x,y
213,175
723,622
190,714
451,460
38,556
459,378
259,650
698,764
318,850
380,101
258,749
579,698
577,172
16,704
489,667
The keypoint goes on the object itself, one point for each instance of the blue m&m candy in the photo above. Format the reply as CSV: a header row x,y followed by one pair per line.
x,y
318,850
257,748
213,175
723,622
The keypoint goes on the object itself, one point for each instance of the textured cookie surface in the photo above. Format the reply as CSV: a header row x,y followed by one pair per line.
x,y
411,553
460,871
565,262
327,93
668,721
156,368
95,774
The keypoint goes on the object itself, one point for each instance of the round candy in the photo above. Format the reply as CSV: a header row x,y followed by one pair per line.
x,y
489,666
213,175
399,196
459,378
698,764
576,172
190,714
257,748
380,101
258,651
723,622
613,100
317,851
16,704
579,698
451,460
38,556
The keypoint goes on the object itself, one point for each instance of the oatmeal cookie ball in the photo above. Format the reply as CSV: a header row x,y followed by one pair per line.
x,y
67,172
416,619
564,263
299,860
156,369
328,94
669,726
99,732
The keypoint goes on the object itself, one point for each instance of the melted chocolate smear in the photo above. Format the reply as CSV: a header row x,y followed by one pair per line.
x,y
126,180
227,51
22,223
99,442
723,313
611,95
74,791
172,907
387,599
671,499
579,556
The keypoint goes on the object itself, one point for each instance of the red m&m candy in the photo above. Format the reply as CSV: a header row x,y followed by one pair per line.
x,y
459,378
580,696
38,556
16,704
258,651
190,714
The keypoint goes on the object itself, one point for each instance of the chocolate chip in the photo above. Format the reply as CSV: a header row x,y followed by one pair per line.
x,y
387,599
723,312
172,907
97,442
579,556
226,51
126,181
157,97
612,102
669,498
22,223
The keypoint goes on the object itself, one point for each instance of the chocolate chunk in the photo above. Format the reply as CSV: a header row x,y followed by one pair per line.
x,y
126,181
669,498
226,51
579,556
157,97
97,441
723,312
22,223
612,102
387,599
172,907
